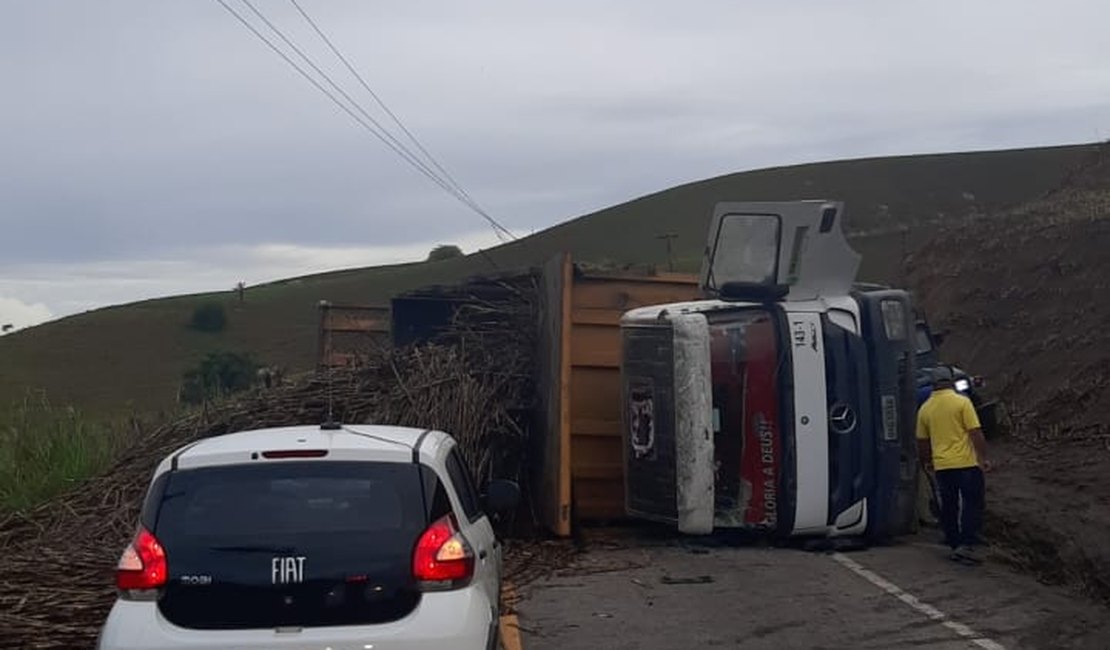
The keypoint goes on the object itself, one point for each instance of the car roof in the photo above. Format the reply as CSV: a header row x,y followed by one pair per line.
x,y
348,442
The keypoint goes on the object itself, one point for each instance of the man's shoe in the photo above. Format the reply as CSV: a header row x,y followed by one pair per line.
x,y
967,555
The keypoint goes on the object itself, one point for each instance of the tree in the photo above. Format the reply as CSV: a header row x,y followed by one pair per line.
x,y
217,375
444,252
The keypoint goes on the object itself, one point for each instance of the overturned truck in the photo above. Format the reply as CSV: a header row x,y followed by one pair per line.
x,y
781,404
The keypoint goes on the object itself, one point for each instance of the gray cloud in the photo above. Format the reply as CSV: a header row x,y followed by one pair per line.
x,y
80,286
15,314
135,130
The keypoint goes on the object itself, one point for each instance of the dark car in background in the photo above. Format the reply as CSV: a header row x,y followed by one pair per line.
x,y
927,357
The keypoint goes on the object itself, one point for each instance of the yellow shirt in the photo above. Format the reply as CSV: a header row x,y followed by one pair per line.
x,y
945,420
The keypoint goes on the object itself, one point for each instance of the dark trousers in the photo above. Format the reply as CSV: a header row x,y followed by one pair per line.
x,y
962,498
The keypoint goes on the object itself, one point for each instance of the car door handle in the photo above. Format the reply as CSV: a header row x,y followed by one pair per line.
x,y
482,554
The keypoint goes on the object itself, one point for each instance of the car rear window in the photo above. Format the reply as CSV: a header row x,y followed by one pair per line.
x,y
225,504
464,486
293,543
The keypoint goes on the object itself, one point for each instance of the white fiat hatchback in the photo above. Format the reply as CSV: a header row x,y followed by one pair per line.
x,y
345,537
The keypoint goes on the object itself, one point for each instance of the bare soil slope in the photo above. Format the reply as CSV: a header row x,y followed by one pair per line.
x,y
1026,294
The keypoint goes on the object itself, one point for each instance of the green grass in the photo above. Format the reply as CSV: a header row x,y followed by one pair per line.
x,y
130,358
47,449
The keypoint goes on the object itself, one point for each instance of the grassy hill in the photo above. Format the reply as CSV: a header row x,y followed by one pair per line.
x,y
132,356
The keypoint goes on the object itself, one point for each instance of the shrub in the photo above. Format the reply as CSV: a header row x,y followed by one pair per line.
x,y
218,374
209,317
444,252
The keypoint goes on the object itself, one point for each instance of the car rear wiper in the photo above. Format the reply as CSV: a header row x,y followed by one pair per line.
x,y
255,548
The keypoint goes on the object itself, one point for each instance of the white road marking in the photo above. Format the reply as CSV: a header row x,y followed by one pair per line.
x,y
920,606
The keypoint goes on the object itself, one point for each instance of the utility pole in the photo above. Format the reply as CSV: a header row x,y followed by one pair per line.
x,y
668,237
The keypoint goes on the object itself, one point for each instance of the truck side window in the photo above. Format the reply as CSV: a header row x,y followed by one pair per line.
x,y
924,344
464,486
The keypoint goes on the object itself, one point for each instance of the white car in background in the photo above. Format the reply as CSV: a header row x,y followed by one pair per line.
x,y
342,537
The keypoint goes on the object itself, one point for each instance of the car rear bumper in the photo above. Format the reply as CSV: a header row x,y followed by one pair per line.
x,y
454,619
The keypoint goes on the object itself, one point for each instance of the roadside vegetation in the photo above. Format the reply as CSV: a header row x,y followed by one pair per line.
x,y
445,252
209,316
46,449
218,374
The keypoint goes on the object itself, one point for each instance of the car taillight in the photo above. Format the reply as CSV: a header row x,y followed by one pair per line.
x,y
142,567
442,559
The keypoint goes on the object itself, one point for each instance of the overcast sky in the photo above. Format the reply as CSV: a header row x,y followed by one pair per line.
x,y
151,148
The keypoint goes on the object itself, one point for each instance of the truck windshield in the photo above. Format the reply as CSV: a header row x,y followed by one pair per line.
x,y
745,351
745,250
922,342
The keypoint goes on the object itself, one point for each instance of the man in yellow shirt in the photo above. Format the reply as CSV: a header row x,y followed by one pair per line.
x,y
950,440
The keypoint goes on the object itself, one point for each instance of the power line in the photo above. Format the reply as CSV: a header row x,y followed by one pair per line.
x,y
381,103
319,87
404,151
399,150
382,133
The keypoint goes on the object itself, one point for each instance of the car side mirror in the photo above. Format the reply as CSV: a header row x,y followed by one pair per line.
x,y
502,496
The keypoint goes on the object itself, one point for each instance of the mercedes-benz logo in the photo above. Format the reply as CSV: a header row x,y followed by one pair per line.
x,y
842,419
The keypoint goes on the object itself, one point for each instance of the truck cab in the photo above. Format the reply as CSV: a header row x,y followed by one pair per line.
x,y
782,403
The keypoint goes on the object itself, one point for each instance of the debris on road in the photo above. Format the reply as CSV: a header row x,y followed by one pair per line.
x,y
696,580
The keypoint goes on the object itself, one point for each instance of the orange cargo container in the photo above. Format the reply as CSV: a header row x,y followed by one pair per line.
x,y
576,443
579,445
347,332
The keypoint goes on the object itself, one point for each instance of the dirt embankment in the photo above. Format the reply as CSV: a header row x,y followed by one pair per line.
x,y
1026,295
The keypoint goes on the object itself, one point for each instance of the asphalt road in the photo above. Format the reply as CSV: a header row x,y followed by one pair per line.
x,y
628,593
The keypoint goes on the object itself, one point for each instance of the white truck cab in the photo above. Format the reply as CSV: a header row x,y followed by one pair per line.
x,y
783,402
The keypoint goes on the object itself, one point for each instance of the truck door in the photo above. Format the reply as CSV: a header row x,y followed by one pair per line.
x,y
794,248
